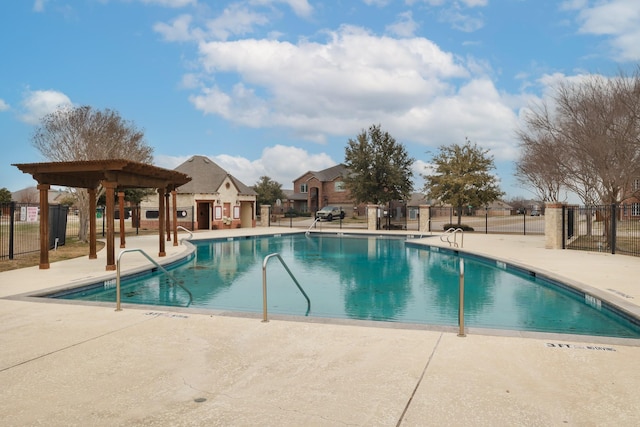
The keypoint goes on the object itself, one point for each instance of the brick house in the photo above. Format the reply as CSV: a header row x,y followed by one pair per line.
x,y
316,189
631,205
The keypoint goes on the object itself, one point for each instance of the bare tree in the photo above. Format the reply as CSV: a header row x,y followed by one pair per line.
x,y
539,166
83,133
589,138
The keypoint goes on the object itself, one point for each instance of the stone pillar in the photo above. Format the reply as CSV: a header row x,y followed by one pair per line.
x,y
372,217
264,215
553,226
424,222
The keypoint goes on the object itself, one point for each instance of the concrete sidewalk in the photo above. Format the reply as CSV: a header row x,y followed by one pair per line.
x,y
71,364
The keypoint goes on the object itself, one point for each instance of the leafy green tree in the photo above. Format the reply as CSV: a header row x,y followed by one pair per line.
x,y
461,177
5,195
268,191
379,168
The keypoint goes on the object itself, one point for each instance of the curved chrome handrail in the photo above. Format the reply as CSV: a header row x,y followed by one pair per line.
x,y
453,231
264,284
187,230
118,307
312,224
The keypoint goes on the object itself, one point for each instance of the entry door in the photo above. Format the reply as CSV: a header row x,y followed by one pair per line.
x,y
226,210
204,216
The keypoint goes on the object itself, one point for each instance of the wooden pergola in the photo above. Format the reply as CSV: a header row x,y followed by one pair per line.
x,y
113,174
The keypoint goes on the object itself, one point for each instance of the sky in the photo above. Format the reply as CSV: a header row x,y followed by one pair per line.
x,y
278,87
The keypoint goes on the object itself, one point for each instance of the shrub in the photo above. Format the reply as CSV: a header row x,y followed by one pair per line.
x,y
464,227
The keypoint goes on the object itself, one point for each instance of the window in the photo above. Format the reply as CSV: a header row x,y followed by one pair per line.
x,y
304,188
152,214
636,184
635,209
338,186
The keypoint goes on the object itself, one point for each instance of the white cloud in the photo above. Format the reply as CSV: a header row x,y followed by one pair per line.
x,y
3,105
177,31
461,21
235,20
416,91
281,163
38,5
617,19
171,3
404,26
38,103
301,8
324,88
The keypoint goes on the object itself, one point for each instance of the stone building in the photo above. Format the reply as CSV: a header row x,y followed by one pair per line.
x,y
213,199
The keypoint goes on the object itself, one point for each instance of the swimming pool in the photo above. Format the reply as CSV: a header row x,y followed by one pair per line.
x,y
367,277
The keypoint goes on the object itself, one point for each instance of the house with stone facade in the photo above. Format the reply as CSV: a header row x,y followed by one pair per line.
x,y
213,199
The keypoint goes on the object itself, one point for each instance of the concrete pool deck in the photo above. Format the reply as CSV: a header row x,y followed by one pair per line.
x,y
68,363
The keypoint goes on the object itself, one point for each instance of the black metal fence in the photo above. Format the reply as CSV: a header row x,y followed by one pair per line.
x,y
609,228
20,225
488,221
20,228
500,221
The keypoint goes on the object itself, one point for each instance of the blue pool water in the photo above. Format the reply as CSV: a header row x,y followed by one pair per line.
x,y
370,278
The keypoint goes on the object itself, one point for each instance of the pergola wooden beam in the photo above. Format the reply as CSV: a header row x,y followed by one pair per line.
x,y
113,174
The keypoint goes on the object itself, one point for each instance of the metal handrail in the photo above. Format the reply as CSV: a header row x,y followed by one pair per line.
x,y
187,230
454,232
309,229
422,233
118,307
264,284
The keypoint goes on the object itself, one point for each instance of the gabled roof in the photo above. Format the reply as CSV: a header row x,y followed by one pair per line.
x,y
329,174
207,177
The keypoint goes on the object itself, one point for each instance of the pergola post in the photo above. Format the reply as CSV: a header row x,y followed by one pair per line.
x,y
168,216
161,222
44,225
123,244
110,218
92,223
174,197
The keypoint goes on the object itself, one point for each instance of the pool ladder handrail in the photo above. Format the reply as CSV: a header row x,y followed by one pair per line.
x,y
264,284
312,224
453,231
187,230
422,233
118,305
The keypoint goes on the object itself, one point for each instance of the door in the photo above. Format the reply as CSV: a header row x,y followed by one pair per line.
x,y
204,215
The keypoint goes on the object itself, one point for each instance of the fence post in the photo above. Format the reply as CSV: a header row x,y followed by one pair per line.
x,y
12,214
524,222
486,221
614,218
